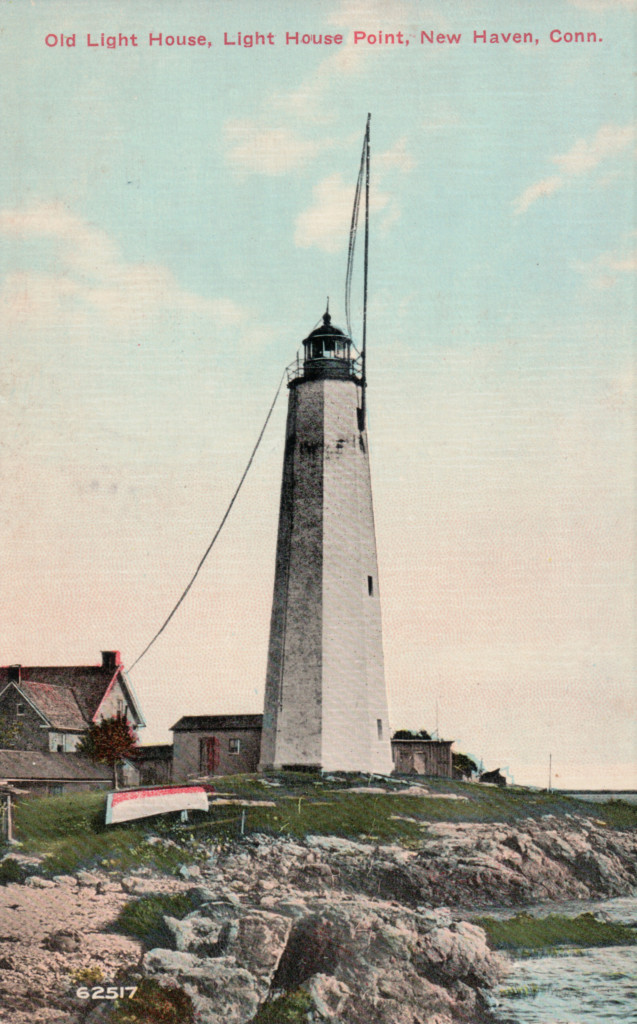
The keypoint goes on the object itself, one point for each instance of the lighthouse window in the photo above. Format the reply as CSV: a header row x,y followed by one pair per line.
x,y
379,726
370,586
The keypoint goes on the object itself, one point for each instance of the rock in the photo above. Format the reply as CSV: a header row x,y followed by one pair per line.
x,y
222,993
334,844
223,896
438,918
170,961
206,893
260,942
138,886
290,907
37,882
69,880
7,963
268,884
87,878
371,790
328,995
190,871
201,935
460,953
107,885
63,941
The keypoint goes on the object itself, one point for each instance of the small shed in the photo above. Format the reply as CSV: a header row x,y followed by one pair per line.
x,y
216,745
494,778
422,757
154,763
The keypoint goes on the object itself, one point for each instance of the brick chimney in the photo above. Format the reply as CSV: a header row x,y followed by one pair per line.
x,y
111,660
15,674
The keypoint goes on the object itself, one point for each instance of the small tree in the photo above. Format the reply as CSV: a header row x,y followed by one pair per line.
x,y
108,742
463,766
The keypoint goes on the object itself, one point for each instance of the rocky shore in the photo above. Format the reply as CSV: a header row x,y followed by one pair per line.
x,y
366,934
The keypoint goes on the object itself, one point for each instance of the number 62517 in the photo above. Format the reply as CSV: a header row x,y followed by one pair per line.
x,y
106,992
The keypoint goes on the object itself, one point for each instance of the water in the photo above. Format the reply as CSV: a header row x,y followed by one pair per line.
x,y
601,796
591,986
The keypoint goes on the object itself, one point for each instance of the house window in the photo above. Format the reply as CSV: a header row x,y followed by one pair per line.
x,y
234,746
120,707
19,709
370,586
379,728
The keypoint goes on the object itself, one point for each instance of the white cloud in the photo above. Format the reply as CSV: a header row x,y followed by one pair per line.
x,y
397,158
272,151
325,224
546,187
583,157
85,247
606,268
92,288
588,153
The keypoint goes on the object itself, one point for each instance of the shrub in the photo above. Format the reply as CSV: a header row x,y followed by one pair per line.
x,y
143,918
153,1004
87,976
11,871
291,1008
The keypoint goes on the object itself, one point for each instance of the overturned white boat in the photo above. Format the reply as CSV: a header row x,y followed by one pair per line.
x,y
142,803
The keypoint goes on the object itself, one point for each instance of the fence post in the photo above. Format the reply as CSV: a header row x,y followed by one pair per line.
x,y
6,817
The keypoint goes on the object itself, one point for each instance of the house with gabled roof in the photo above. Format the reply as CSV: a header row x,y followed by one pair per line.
x,y
48,709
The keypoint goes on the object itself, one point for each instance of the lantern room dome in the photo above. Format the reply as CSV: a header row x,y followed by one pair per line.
x,y
326,330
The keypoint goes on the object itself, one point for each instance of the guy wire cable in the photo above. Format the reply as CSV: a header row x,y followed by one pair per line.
x,y
218,531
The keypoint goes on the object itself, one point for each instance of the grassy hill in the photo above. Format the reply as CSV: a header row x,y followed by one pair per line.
x,y
70,832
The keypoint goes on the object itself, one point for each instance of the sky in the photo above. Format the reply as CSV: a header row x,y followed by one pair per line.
x,y
172,219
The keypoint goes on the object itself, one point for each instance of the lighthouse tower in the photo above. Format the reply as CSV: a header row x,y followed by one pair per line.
x,y
325,699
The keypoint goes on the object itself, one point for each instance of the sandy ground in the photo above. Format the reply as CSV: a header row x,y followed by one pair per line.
x,y
36,983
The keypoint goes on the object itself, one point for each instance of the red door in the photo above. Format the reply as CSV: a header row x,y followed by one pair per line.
x,y
209,755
